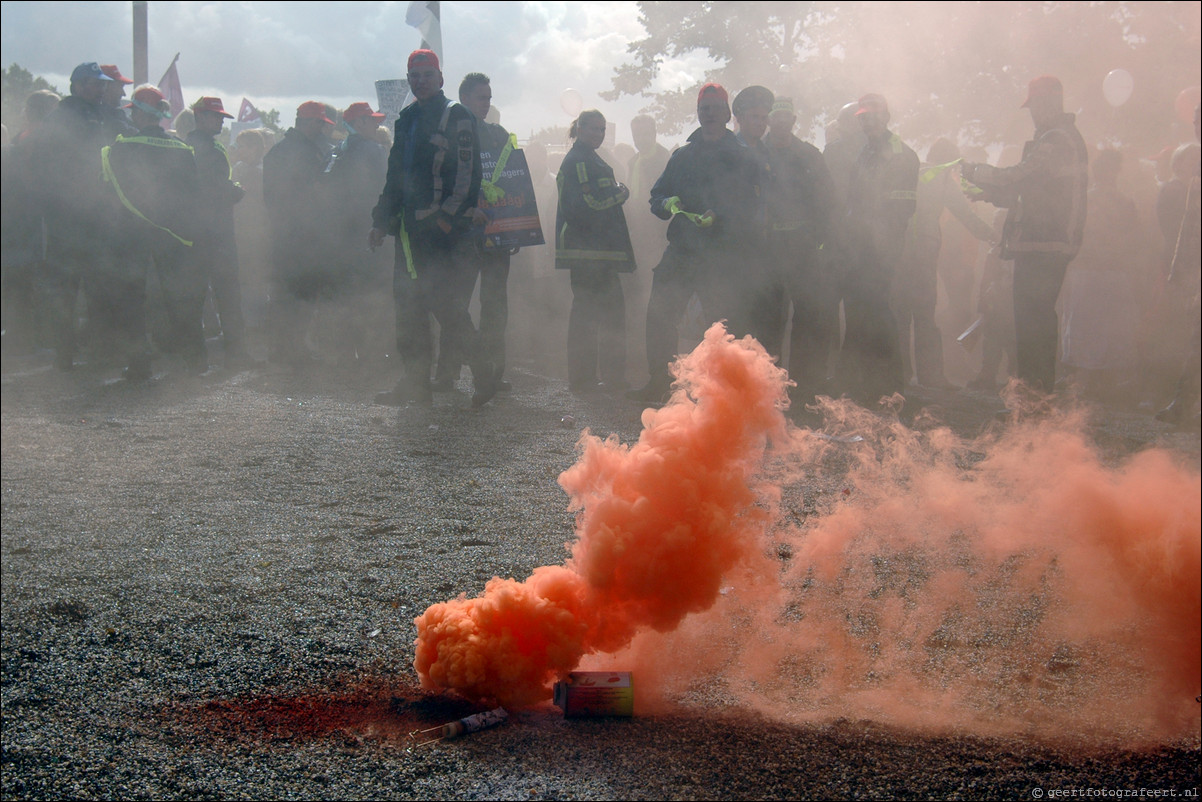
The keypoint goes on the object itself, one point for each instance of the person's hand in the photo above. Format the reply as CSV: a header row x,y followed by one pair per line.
x,y
624,192
444,225
479,218
375,238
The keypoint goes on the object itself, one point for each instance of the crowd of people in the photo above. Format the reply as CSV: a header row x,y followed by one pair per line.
x,y
832,259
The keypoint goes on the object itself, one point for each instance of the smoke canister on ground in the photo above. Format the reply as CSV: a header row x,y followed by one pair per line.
x,y
596,693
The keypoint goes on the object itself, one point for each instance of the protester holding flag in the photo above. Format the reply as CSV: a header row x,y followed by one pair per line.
x,y
592,241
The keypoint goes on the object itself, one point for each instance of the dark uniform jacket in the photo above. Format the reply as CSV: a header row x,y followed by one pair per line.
x,y
590,227
292,171
1045,192
65,169
881,199
433,172
153,176
719,176
801,193
355,180
217,190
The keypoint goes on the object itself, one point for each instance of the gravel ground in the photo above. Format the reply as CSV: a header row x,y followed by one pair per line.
x,y
209,585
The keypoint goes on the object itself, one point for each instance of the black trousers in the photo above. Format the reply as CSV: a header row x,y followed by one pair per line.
x,y
596,328
440,290
1037,282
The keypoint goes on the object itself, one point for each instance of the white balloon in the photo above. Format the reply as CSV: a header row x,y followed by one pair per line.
x,y
1117,87
572,102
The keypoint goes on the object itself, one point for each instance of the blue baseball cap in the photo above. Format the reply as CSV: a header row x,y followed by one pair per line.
x,y
88,70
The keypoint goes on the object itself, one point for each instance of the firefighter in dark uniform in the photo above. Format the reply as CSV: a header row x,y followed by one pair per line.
x,y
65,170
881,199
492,264
1045,194
429,197
216,251
801,197
592,241
152,178
710,191
293,192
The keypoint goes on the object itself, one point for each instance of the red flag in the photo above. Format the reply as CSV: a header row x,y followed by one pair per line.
x,y
170,87
248,113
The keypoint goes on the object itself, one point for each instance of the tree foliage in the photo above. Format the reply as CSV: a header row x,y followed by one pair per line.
x,y
18,84
956,69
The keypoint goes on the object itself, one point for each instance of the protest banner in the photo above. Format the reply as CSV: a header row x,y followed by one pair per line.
x,y
392,95
512,210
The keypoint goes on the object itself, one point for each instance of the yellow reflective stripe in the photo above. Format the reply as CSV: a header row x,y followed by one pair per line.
x,y
699,220
492,192
156,141
404,237
931,173
581,173
598,206
111,178
600,256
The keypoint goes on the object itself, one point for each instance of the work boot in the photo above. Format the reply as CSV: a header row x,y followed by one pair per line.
x,y
484,382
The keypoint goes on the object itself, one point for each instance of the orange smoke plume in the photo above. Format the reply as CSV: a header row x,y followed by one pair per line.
x,y
1018,583
660,525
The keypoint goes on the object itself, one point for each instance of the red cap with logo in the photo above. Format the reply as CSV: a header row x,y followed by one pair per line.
x,y
357,111
423,58
111,71
312,110
212,104
1043,86
711,89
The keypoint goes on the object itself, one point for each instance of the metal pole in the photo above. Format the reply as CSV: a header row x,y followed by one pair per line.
x,y
141,59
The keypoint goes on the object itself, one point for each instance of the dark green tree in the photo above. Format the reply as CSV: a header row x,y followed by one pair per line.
x,y
956,68
17,85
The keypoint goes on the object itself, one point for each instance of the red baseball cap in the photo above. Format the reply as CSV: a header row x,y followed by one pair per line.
x,y
713,89
423,58
1043,86
871,103
211,104
150,100
312,110
111,71
357,111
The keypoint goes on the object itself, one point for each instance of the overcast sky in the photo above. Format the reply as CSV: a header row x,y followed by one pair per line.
x,y
279,54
